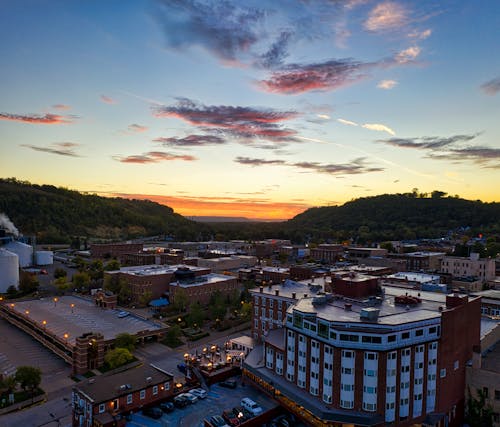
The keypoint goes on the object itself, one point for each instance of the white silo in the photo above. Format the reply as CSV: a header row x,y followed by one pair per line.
x,y
44,257
22,250
9,270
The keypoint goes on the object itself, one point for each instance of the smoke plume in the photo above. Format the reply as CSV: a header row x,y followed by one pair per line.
x,y
6,223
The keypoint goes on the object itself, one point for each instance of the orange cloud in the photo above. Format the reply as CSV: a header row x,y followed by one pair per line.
x,y
219,206
46,119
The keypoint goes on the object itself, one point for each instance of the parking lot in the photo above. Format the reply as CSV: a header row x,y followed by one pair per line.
x,y
218,400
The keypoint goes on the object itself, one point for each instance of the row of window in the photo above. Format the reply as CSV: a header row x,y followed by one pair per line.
x,y
130,397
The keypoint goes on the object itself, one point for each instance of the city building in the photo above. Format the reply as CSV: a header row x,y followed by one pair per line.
x,y
307,271
472,266
270,303
420,281
353,253
154,279
114,250
327,253
233,262
490,302
201,288
353,285
420,261
151,256
396,360
105,400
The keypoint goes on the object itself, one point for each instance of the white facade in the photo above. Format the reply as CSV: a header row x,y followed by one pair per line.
x,y
482,268
9,270
44,258
23,251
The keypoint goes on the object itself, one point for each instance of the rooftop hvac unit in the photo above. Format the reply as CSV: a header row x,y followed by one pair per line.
x,y
369,313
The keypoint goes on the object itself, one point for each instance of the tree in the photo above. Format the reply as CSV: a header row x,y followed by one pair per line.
x,y
117,357
125,340
81,281
28,283
246,310
62,285
8,384
436,194
145,298
477,412
181,300
60,272
173,336
112,265
196,315
28,377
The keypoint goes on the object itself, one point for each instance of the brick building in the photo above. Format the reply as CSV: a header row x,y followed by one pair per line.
x,y
353,285
355,253
420,261
114,250
336,363
104,401
327,253
200,289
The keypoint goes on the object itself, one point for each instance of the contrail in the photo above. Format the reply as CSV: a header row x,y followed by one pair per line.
x,y
142,98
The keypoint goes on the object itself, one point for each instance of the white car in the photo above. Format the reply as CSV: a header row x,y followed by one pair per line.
x,y
199,393
191,397
251,406
122,314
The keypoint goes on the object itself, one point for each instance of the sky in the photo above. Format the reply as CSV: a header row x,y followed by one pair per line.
x,y
252,109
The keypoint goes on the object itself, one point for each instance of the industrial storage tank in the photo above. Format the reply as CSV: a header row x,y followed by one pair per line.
x,y
44,258
22,250
9,270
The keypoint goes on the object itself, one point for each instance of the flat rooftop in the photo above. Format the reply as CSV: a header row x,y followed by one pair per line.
x,y
290,287
391,314
203,280
84,317
415,277
153,270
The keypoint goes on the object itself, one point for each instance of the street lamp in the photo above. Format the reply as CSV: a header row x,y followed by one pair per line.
x,y
72,305
44,323
66,336
27,312
55,301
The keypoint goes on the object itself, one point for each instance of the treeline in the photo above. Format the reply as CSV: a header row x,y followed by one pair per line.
x,y
58,215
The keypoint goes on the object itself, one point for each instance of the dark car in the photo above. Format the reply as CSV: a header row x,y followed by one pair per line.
x,y
230,418
181,401
241,413
229,383
217,421
182,367
153,412
167,407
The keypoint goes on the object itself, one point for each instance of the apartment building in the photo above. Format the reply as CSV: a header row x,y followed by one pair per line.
x,y
396,360
472,266
327,253
105,400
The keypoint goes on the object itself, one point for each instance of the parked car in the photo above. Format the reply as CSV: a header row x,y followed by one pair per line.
x,y
231,419
122,314
190,397
229,384
153,412
282,421
181,401
251,406
167,407
199,393
218,421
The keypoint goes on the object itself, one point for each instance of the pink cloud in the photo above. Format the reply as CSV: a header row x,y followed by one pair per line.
x,y
46,119
108,100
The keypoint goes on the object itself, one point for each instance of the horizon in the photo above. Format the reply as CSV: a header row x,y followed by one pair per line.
x,y
243,110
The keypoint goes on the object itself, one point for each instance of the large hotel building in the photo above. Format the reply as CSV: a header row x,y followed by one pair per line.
x,y
394,359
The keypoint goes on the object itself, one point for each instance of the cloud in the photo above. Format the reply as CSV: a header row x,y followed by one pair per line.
x,y
240,122
277,52
135,128
154,157
323,116
421,35
386,16
428,142
59,148
357,166
387,84
108,100
379,127
487,157
491,87
407,55
191,140
347,122
325,76
61,107
46,119
222,28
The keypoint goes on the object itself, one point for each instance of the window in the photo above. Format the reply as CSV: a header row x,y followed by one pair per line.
x,y
419,349
349,337
442,373
391,338
370,373
347,371
391,389
155,390
347,404
391,372
405,335
419,332
406,352
323,329
167,386
327,398
433,345
392,355
432,330
129,399
455,365
142,394
486,392
405,368
390,405
370,390
419,365
418,381
497,394
371,407
101,408
404,401
347,387
371,356
347,354
333,335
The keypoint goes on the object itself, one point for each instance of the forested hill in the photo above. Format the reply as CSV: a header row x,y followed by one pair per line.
x,y
57,215
396,216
